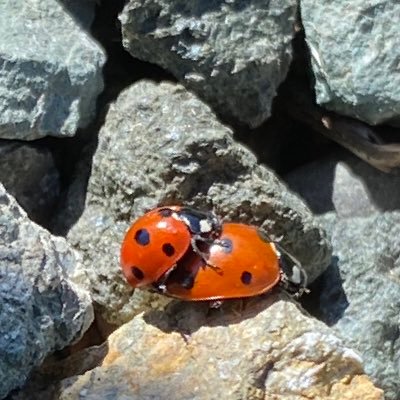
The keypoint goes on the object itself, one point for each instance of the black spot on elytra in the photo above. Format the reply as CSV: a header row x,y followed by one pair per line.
x,y
137,273
246,278
142,237
165,212
168,249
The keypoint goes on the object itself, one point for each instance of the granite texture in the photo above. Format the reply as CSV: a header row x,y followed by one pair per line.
x,y
360,292
355,57
345,184
265,350
43,306
233,54
50,69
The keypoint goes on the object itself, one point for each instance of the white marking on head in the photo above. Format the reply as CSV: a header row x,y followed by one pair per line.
x,y
205,226
297,275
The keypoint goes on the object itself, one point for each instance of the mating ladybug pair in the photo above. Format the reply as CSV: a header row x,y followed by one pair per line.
x,y
192,255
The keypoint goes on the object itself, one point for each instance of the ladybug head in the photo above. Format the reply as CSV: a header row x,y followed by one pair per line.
x,y
294,276
205,224
211,226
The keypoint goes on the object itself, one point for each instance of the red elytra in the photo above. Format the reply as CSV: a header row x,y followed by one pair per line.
x,y
158,240
241,263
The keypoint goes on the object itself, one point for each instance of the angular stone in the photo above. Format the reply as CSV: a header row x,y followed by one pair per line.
x,y
43,307
355,57
360,292
268,350
50,70
162,145
233,54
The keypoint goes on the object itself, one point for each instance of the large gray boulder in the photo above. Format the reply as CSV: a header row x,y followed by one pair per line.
x,y
43,306
50,70
233,54
354,48
360,292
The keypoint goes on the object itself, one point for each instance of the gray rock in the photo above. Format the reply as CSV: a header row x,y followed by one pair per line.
x,y
50,70
345,184
43,307
360,293
29,173
161,145
355,55
233,54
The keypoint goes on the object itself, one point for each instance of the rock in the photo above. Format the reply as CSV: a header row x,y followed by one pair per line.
x,y
43,383
43,306
360,292
355,58
269,350
345,184
161,145
233,54
29,173
50,71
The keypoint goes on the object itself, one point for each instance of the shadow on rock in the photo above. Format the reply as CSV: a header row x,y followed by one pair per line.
x,y
327,300
188,317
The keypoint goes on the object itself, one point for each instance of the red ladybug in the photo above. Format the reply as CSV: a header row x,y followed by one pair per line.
x,y
159,239
241,263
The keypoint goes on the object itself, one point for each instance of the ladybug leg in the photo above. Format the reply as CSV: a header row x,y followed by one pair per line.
x,y
215,304
186,337
203,254
160,285
239,307
218,270
196,246
293,289
227,246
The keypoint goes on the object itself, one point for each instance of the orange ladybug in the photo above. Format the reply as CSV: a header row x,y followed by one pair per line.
x,y
156,242
242,262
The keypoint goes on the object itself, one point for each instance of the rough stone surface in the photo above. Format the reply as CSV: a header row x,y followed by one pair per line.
x,y
360,292
355,56
268,350
50,70
43,383
233,54
161,145
345,184
29,173
42,306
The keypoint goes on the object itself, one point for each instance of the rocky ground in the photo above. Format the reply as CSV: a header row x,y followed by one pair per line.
x,y
284,115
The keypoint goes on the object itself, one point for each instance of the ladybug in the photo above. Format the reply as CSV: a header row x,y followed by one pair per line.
x,y
244,263
158,240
